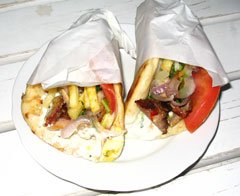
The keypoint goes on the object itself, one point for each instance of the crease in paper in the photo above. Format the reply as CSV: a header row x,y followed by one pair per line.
x,y
86,54
168,29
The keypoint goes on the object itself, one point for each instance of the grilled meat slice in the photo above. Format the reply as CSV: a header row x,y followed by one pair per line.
x,y
58,110
155,112
158,112
182,111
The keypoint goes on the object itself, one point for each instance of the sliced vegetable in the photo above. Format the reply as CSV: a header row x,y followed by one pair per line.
x,y
187,71
166,91
80,123
176,68
187,88
107,120
98,88
109,93
155,90
153,113
173,87
203,99
100,95
106,106
161,77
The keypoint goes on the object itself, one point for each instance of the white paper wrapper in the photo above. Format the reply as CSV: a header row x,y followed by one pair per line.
x,y
86,54
168,29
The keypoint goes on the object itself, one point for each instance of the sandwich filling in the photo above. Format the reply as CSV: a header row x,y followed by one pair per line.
x,y
82,121
72,109
169,98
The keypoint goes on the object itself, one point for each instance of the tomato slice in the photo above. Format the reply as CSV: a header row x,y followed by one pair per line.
x,y
153,113
203,99
109,93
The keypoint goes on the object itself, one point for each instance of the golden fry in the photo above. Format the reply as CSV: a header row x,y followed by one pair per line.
x,y
108,120
93,99
73,96
86,99
74,112
166,65
51,94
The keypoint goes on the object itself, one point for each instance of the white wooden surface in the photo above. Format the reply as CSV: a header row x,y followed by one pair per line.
x,y
27,24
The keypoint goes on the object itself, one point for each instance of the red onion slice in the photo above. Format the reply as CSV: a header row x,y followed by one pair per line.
x,y
173,87
166,91
80,123
159,89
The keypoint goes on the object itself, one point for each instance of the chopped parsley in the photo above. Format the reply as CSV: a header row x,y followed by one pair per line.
x,y
98,88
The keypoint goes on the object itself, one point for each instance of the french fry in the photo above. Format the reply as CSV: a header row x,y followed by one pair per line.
x,y
93,99
166,65
81,98
74,112
73,96
86,99
50,95
107,120
64,93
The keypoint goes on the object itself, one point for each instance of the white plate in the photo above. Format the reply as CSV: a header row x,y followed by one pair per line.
x,y
143,164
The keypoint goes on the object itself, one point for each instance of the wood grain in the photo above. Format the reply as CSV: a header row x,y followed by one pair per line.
x,y
47,19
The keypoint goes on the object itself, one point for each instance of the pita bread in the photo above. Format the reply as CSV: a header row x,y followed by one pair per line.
x,y
98,148
139,88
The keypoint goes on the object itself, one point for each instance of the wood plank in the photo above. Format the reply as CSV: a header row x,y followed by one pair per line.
x,y
212,8
9,5
228,131
7,77
222,180
45,21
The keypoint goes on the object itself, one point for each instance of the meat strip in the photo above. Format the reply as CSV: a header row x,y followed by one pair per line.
x,y
182,111
155,112
58,110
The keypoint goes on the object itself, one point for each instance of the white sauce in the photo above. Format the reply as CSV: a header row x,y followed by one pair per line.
x,y
42,117
142,128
